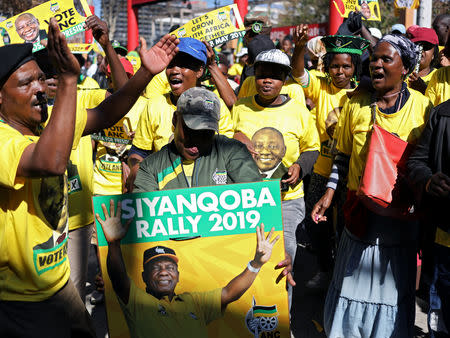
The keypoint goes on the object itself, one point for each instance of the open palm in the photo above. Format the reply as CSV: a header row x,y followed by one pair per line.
x,y
264,245
112,226
157,58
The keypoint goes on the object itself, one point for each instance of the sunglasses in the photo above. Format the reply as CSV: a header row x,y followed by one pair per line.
x,y
425,45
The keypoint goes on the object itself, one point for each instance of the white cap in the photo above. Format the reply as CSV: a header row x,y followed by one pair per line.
x,y
274,56
242,52
376,33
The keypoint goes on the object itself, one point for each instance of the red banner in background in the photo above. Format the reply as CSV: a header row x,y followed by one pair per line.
x,y
314,29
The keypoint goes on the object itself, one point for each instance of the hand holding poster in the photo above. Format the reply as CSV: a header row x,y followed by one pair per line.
x,y
32,26
370,9
185,262
216,27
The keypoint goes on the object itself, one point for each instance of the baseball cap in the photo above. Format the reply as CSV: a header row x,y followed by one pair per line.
x,y
423,34
121,50
257,23
375,32
242,52
345,44
275,56
159,251
399,28
259,44
13,56
200,109
194,48
126,65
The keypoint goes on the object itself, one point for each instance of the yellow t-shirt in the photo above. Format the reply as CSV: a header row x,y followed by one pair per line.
x,y
188,314
154,129
108,168
353,139
88,83
159,85
90,97
235,69
329,100
438,89
188,168
33,223
291,88
426,78
80,168
81,180
295,123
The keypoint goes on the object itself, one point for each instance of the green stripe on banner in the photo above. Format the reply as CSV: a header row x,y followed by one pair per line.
x,y
220,210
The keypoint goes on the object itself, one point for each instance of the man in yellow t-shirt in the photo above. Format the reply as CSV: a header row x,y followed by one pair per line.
x,y
154,129
159,311
34,269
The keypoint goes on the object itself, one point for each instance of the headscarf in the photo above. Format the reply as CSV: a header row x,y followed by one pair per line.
x,y
407,50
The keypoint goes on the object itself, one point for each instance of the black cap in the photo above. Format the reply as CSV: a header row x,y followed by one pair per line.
x,y
159,251
259,43
12,57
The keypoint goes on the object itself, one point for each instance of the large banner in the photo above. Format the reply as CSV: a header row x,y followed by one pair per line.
x,y
370,9
314,29
212,231
217,27
32,25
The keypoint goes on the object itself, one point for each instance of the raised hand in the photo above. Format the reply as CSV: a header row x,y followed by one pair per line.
x,y
264,246
112,226
301,35
157,58
62,58
210,55
99,28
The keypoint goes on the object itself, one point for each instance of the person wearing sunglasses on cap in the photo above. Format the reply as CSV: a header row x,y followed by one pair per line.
x,y
427,40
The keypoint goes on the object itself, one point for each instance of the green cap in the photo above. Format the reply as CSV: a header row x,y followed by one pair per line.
x,y
345,44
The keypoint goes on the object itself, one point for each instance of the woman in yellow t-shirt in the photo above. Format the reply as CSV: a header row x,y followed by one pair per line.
x,y
427,40
154,129
280,134
372,293
342,66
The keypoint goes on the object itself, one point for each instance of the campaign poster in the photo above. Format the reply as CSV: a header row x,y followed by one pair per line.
x,y
217,27
370,9
411,4
212,231
80,48
32,26
120,133
314,29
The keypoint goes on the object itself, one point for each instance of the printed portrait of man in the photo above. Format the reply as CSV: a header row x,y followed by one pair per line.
x,y
269,143
27,26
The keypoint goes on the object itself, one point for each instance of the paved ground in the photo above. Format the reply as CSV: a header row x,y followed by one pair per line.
x,y
308,304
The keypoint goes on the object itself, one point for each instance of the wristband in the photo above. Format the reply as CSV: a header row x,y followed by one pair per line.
x,y
251,268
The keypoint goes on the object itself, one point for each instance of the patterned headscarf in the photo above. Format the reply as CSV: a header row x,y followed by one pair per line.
x,y
407,50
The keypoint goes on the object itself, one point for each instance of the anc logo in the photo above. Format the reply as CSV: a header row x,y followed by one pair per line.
x,y
54,7
257,27
219,176
261,318
181,32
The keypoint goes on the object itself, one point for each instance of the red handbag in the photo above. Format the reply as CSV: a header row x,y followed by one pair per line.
x,y
383,187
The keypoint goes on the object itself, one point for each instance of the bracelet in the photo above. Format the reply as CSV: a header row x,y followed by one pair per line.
x,y
251,268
